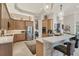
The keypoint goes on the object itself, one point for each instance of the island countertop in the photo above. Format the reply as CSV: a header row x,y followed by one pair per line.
x,y
54,39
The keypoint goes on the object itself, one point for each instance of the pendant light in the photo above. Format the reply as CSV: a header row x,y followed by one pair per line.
x,y
61,13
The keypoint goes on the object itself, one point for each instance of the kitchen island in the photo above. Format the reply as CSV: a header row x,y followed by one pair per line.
x,y
47,43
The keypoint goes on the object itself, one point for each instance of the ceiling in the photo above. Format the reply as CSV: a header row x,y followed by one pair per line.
x,y
37,8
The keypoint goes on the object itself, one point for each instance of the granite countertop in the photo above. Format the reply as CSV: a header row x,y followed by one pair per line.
x,y
6,39
8,35
12,32
40,40
54,39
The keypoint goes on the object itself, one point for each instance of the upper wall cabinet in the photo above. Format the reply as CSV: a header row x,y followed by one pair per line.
x,y
29,23
0,16
11,25
4,16
19,25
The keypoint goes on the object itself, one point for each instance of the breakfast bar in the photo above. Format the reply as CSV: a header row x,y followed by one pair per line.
x,y
50,42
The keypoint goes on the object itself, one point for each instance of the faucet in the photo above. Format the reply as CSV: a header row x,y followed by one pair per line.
x,y
2,32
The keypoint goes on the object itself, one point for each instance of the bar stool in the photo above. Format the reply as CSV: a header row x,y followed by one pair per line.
x,y
64,49
68,48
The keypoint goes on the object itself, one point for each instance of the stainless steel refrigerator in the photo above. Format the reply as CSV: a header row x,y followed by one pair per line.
x,y
29,33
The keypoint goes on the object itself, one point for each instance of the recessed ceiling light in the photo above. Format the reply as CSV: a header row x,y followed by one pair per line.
x,y
46,6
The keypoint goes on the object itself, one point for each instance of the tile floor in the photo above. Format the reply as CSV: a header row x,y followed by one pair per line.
x,y
20,49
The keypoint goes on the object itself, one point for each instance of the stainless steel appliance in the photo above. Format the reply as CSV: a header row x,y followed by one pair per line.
x,y
29,33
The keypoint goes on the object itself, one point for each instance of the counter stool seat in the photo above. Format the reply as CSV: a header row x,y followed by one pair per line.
x,y
64,49
61,48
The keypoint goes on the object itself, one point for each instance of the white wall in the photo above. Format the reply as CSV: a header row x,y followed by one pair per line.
x,y
70,20
77,21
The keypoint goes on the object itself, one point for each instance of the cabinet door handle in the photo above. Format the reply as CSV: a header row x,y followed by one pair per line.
x,y
8,25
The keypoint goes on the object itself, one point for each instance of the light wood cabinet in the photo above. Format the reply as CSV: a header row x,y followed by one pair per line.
x,y
29,23
6,49
46,25
39,48
0,14
4,16
19,25
19,37
11,25
14,25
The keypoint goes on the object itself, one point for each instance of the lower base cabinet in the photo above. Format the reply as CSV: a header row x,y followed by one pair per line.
x,y
6,49
39,49
19,37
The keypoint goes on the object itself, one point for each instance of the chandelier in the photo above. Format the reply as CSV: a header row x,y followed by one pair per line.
x,y
48,8
61,13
